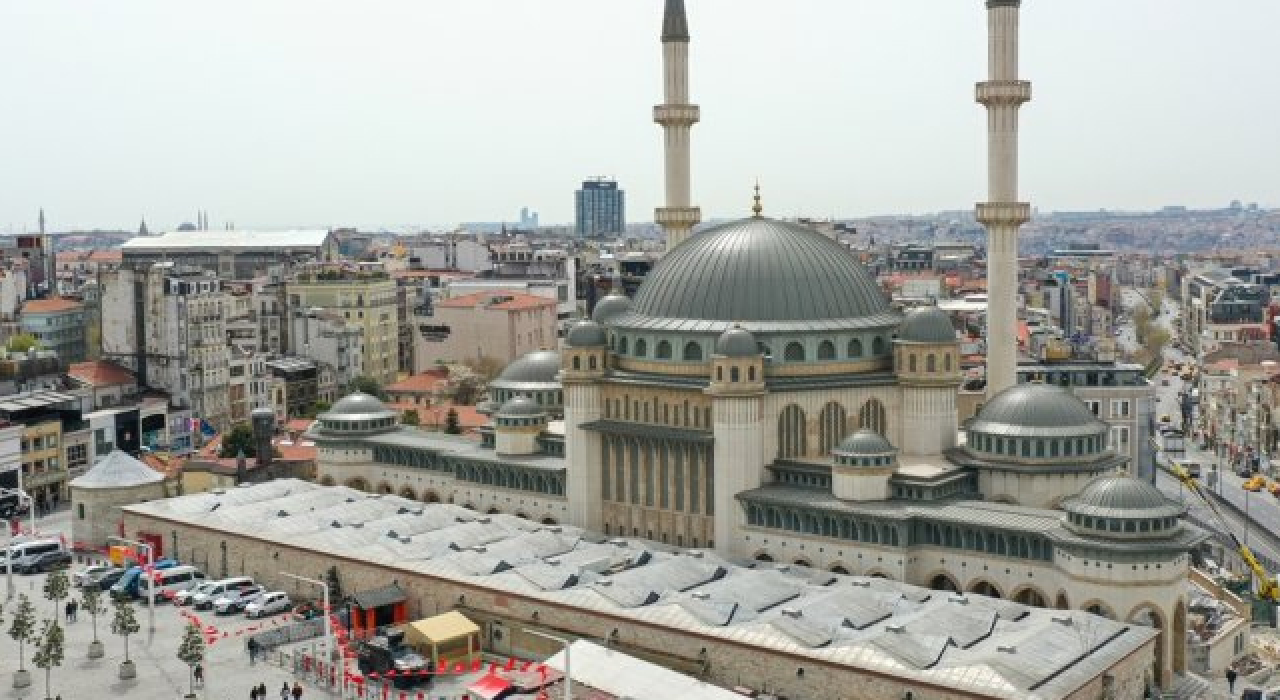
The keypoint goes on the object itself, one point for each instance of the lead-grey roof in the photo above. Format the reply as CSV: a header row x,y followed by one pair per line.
x,y
865,442
1036,410
675,26
357,405
117,471
613,303
537,367
1121,496
927,324
737,342
764,274
520,406
586,334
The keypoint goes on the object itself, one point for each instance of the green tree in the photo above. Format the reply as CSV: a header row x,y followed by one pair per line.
x,y
23,627
91,602
240,437
335,585
191,651
124,622
451,422
50,649
57,588
366,384
411,417
22,342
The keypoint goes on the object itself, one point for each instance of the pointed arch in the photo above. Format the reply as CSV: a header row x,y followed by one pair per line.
x,y
943,581
854,349
384,488
1030,595
873,416
826,350
985,587
692,352
791,432
430,496
1062,603
794,352
838,568
409,493
327,480
358,484
1149,614
833,426
663,351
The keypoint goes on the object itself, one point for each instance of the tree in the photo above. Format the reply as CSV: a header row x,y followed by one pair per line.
x,y
451,422
191,651
124,622
50,648
368,385
411,417
467,390
23,342
23,627
57,588
91,602
335,584
486,367
239,438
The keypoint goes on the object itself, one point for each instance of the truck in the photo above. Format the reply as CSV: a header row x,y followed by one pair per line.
x,y
387,651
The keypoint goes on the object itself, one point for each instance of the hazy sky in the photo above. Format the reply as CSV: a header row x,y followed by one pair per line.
x,y
395,113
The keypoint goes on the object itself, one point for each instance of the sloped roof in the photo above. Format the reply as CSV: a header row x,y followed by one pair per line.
x,y
44,306
378,597
116,471
101,373
444,627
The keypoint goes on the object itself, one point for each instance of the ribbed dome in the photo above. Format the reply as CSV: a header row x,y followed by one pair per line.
x,y
520,406
737,342
1121,496
539,366
761,270
1036,410
927,324
357,404
865,442
586,334
613,303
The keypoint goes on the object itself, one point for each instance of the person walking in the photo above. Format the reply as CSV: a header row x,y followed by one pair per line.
x,y
198,674
253,692
262,691
252,646
297,691
284,691
1231,681
66,611
75,611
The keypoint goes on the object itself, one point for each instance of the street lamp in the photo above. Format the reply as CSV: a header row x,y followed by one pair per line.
x,y
150,572
568,677
8,555
328,630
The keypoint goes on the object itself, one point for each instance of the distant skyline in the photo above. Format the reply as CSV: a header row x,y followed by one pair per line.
x,y
401,114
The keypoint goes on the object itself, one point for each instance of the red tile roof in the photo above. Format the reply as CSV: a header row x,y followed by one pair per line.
x,y
514,301
38,306
434,417
424,382
101,373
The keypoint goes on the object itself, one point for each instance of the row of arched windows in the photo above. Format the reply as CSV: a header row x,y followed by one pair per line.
x,y
930,362
833,426
1020,546
654,411
1087,446
823,524
692,351
1128,525
794,351
509,478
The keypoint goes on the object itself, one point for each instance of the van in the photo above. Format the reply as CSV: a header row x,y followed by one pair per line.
x,y
127,585
23,552
166,582
204,599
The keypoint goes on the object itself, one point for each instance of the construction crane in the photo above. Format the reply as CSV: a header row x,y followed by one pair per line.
x,y
1266,583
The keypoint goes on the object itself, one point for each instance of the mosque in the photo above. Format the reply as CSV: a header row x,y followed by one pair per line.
x,y
759,397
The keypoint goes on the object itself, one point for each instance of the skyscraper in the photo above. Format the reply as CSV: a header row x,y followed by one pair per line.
x,y
600,208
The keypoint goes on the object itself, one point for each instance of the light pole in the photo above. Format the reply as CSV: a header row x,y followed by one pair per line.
x,y
150,573
568,677
8,554
328,630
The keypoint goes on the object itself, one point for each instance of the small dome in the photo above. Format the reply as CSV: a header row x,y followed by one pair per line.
x,y
520,406
587,334
357,404
737,342
537,367
613,303
927,324
117,471
1121,496
1036,410
865,442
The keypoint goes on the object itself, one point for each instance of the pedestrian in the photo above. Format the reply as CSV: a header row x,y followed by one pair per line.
x,y
253,692
284,691
198,674
297,690
75,611
253,652
1231,681
66,611
262,691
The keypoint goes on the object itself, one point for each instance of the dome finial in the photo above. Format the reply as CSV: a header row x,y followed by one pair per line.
x,y
757,208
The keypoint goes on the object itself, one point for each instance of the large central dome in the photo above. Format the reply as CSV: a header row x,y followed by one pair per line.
x,y
760,272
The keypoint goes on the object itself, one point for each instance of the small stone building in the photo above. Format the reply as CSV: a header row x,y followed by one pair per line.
x,y
96,497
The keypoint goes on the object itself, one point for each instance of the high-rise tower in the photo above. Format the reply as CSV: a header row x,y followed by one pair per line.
x,y
677,117
1002,94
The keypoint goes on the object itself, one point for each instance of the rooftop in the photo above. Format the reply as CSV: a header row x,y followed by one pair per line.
x,y
99,373
202,241
46,306
967,642
117,470
498,301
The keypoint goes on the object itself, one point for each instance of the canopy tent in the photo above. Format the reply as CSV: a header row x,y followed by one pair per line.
x,y
449,636
376,608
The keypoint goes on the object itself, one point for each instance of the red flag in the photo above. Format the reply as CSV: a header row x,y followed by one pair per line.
x,y
511,664
527,665
477,665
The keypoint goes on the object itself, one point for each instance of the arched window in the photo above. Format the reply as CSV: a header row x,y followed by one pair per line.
x,y
591,362
733,374
664,350
827,350
877,346
692,352
931,363
946,362
855,348
642,348
833,425
872,415
751,373
622,345
577,363
793,353
911,362
791,432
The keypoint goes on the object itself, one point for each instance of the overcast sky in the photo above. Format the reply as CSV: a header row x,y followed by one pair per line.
x,y
397,113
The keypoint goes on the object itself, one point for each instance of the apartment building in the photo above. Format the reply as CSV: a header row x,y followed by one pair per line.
x,y
363,296
334,344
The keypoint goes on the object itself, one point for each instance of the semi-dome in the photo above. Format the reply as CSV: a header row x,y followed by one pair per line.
x,y
737,342
766,274
1035,409
865,442
613,303
586,334
537,367
520,406
927,325
1121,496
356,405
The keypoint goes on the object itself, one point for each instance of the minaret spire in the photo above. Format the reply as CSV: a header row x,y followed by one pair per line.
x,y
1002,94
677,116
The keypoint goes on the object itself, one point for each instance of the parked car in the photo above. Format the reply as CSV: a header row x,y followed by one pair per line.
x,y
89,574
186,597
1255,483
272,603
109,579
1193,469
167,582
48,561
22,552
127,585
204,600
235,600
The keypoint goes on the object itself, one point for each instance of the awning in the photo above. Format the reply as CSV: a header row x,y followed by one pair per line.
x,y
378,597
489,687
441,628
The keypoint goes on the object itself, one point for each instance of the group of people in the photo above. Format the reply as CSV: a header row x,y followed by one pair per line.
x,y
259,691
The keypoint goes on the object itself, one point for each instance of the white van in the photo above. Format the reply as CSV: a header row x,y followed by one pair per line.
x,y
22,552
169,581
204,599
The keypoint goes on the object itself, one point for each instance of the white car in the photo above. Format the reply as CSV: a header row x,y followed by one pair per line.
x,y
235,600
272,603
89,574
187,596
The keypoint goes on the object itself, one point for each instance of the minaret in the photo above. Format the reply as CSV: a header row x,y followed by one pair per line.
x,y
676,116
1002,213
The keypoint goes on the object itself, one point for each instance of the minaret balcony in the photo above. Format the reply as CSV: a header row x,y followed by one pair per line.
x,y
1006,213
676,115
1003,92
679,217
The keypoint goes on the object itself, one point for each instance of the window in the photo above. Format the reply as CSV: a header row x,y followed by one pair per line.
x,y
692,352
663,351
642,348
793,353
877,346
911,363
1119,408
855,348
1094,406
931,363
827,350
1120,438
